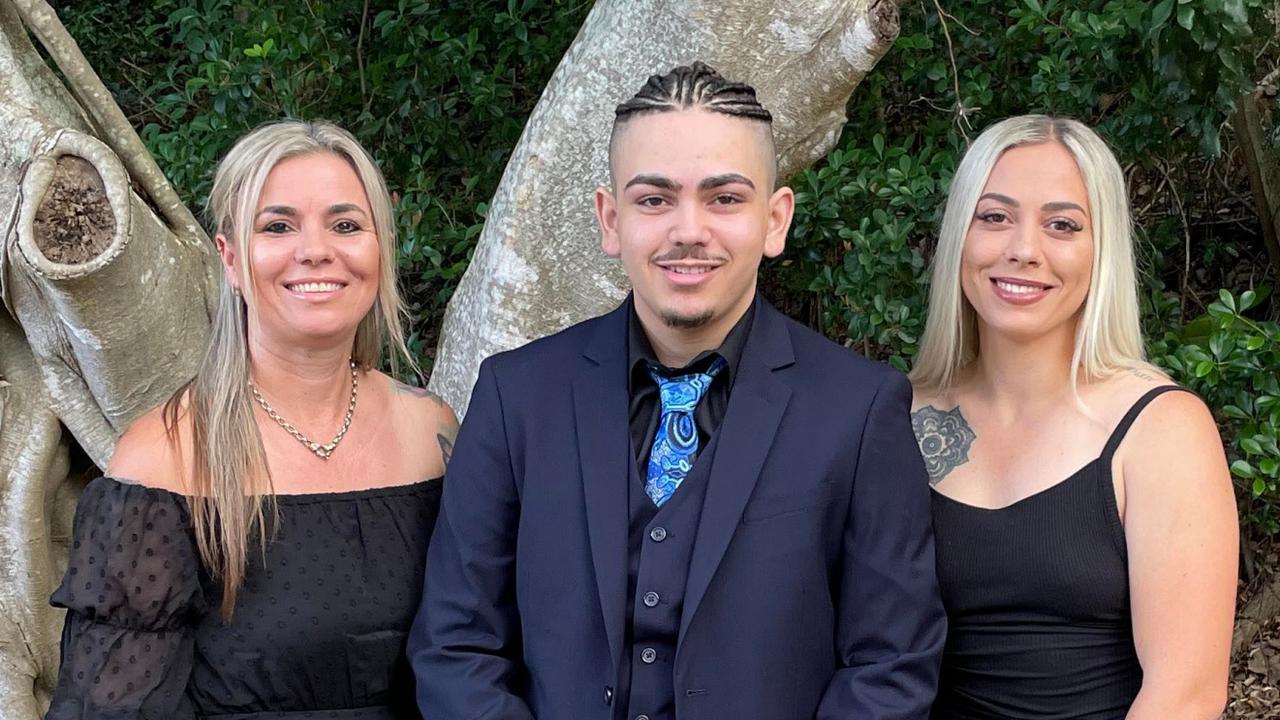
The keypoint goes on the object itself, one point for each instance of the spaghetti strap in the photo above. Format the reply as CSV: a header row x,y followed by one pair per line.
x,y
1117,435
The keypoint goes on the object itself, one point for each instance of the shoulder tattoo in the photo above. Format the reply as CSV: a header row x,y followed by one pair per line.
x,y
407,389
944,437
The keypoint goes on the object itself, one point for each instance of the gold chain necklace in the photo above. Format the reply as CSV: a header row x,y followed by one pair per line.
x,y
325,450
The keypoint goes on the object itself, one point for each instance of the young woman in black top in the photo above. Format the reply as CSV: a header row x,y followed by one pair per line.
x,y
257,547
1084,518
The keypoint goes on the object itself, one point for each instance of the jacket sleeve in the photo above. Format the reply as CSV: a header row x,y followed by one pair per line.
x,y
891,621
465,643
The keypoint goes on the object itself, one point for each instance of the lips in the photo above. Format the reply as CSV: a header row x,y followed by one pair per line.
x,y
1019,291
314,286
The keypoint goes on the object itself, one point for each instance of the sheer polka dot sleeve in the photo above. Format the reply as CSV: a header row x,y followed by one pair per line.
x,y
133,591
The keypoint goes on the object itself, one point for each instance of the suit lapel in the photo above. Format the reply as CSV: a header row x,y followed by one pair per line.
x,y
604,450
751,420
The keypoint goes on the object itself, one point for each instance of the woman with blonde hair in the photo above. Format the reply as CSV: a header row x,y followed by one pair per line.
x,y
1084,517
256,548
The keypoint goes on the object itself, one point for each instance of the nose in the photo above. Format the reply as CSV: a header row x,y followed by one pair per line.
x,y
690,226
314,247
1024,246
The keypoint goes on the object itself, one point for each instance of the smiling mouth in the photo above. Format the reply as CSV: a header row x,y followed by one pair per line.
x,y
689,269
314,287
1019,288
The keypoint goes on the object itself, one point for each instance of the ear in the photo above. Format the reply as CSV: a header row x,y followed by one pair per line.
x,y
227,251
607,215
782,206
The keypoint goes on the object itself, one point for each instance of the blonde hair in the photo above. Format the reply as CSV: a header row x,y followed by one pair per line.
x,y
230,474
1108,336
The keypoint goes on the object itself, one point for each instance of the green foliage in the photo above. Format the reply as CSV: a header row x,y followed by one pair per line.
x,y
438,92
1234,363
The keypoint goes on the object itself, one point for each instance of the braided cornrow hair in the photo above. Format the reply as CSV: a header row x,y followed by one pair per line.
x,y
697,85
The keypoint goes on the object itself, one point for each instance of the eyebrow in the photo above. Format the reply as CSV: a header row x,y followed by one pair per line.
x,y
710,183
292,212
1000,198
657,181
1055,206
278,210
725,179
1047,207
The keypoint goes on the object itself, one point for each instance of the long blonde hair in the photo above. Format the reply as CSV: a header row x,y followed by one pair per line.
x,y
1108,336
231,480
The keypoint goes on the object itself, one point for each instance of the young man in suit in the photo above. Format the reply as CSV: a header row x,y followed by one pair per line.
x,y
692,506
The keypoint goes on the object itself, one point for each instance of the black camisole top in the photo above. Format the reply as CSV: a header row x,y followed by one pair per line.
x,y
1037,600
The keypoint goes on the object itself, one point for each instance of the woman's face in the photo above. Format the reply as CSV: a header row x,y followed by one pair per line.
x,y
1028,255
313,254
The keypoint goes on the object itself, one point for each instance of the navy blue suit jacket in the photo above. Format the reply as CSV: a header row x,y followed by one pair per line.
x,y
811,591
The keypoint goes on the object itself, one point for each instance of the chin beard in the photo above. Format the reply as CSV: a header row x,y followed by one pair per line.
x,y
686,322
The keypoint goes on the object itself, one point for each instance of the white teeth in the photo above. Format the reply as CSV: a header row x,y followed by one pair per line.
x,y
315,287
1018,289
686,270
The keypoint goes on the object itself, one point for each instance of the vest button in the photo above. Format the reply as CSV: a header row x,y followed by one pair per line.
x,y
658,534
608,695
648,656
642,717
651,599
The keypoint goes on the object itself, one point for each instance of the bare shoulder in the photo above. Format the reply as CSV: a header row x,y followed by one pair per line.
x,y
148,454
421,403
1173,445
430,413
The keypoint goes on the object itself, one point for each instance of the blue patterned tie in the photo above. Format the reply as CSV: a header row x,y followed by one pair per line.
x,y
675,447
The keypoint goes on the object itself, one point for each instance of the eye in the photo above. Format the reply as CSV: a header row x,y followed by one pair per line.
x,y
346,227
652,201
994,217
1064,225
727,199
276,227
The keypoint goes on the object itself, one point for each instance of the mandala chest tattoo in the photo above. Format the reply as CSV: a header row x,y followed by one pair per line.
x,y
944,437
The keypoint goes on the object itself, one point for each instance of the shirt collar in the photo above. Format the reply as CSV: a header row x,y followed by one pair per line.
x,y
640,353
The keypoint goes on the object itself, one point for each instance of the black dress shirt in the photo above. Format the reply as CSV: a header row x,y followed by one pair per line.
x,y
645,405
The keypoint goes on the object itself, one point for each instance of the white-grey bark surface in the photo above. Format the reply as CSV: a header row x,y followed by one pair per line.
x,y
104,311
538,266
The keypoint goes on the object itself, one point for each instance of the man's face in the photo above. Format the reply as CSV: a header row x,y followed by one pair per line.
x,y
692,213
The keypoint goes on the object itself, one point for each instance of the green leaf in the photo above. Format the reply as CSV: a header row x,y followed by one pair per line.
x,y
1242,468
1255,342
1160,15
1251,446
1035,6
1259,487
1186,16
1204,368
1226,298
1248,299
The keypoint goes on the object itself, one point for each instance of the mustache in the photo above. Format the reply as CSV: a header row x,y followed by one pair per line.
x,y
688,252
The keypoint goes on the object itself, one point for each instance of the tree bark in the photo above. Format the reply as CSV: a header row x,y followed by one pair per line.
x,y
1263,164
107,304
538,266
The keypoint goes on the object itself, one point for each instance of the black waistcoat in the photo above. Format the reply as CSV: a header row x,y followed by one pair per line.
x,y
660,547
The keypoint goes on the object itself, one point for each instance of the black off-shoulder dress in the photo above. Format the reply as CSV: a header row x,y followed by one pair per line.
x,y
319,626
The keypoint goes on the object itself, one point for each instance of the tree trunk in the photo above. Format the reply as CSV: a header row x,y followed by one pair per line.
x,y
107,304
538,266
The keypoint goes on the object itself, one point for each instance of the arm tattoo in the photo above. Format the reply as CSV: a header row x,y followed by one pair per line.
x,y
944,437
446,448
